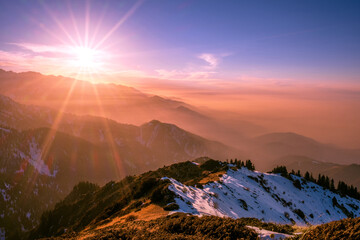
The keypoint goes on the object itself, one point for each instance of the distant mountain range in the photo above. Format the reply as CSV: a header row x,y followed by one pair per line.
x,y
128,105
120,103
271,147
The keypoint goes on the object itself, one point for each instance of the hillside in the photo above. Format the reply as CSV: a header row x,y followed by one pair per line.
x,y
268,148
269,197
28,173
347,173
46,164
211,188
175,226
343,229
79,148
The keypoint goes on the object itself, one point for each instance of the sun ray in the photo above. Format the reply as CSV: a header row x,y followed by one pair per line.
x,y
98,25
119,23
120,170
87,59
46,145
80,42
87,23
59,24
42,26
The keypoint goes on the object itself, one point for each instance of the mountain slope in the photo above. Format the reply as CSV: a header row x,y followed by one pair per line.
x,y
269,197
346,173
79,148
276,145
343,229
210,188
32,180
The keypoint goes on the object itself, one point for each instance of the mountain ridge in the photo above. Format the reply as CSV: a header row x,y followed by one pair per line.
x,y
176,186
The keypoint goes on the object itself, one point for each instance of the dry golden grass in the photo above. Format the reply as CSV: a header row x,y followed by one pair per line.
x,y
212,177
147,213
150,212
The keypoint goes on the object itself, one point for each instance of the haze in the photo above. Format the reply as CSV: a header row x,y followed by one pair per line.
x,y
257,67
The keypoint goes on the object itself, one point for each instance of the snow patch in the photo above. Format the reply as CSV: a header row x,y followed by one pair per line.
x,y
269,235
268,197
34,158
101,135
5,130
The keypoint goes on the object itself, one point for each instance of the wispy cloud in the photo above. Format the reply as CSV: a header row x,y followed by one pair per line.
x,y
195,70
211,59
183,74
40,48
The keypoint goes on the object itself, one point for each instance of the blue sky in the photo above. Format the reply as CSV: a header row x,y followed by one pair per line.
x,y
230,40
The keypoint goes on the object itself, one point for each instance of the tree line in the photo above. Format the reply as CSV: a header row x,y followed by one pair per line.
x,y
322,180
239,163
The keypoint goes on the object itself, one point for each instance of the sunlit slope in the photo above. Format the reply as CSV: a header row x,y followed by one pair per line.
x,y
211,188
343,229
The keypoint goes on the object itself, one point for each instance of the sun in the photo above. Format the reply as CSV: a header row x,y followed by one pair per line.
x,y
87,62
86,57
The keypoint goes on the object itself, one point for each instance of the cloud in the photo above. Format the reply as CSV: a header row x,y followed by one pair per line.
x,y
211,59
40,48
183,74
194,71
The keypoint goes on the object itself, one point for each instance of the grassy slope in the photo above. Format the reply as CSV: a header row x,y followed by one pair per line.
x,y
344,229
93,209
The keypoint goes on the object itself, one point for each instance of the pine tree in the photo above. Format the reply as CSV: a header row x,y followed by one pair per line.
x,y
249,165
327,182
332,185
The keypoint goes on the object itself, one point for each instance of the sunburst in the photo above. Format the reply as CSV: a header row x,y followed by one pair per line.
x,y
85,55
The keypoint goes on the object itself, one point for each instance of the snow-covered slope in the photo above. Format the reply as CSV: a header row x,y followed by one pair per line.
x,y
269,197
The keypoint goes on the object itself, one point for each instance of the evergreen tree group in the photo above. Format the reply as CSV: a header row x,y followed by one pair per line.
x,y
239,163
322,180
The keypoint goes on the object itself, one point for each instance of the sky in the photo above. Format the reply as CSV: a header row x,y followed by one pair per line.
x,y
185,42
